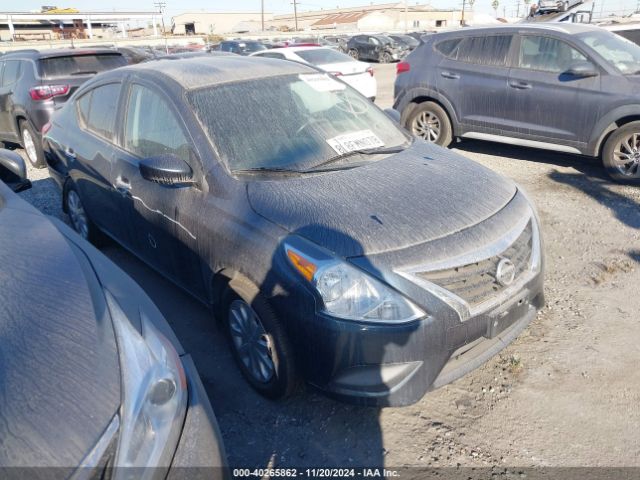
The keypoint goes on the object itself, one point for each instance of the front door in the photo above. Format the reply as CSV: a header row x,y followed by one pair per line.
x,y
160,218
547,103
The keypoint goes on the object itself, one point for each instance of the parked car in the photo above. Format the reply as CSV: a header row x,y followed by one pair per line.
x,y
135,55
570,88
353,72
240,47
545,6
333,245
35,83
378,48
407,41
338,41
92,376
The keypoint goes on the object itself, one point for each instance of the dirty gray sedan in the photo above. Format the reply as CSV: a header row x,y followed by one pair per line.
x,y
335,248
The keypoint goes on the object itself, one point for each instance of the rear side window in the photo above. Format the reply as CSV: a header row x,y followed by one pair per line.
x,y
448,47
152,129
97,109
547,54
11,72
488,50
79,64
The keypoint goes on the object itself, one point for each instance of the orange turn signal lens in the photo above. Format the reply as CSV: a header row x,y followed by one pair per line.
x,y
304,266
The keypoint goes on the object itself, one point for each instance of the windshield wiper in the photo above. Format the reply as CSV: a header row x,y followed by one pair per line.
x,y
266,170
363,151
87,72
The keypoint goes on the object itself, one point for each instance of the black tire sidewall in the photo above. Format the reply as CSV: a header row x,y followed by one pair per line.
x,y
284,381
39,163
445,138
607,153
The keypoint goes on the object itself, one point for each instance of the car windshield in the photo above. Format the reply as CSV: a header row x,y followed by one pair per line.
x,y
323,56
291,122
620,52
412,42
254,47
79,64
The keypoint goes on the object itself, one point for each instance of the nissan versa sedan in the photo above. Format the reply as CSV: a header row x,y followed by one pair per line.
x,y
567,87
92,377
336,248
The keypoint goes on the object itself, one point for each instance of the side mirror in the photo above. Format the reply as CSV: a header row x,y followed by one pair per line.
x,y
393,114
166,170
582,70
13,171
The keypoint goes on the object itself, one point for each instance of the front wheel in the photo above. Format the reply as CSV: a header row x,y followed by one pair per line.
x,y
258,341
353,53
430,122
385,57
621,154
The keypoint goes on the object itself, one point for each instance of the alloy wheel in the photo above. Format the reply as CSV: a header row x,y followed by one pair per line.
x,y
251,341
626,156
78,216
427,126
29,145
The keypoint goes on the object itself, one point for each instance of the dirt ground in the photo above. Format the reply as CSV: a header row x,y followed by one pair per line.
x,y
565,393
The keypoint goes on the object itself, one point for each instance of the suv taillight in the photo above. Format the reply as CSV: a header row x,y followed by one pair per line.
x,y
45,92
402,67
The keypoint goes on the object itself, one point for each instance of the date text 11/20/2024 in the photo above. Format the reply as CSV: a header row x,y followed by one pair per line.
x,y
315,472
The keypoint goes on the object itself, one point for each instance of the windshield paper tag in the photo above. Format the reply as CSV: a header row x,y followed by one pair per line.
x,y
350,142
321,82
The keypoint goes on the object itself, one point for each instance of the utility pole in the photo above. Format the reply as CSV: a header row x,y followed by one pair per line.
x,y
262,13
160,6
406,8
464,4
295,14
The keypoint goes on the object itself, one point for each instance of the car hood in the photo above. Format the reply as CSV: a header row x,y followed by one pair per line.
x,y
419,195
59,372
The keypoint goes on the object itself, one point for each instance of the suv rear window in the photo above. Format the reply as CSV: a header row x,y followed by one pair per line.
x,y
491,50
70,65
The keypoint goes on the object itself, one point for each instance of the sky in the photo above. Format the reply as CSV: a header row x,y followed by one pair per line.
x,y
508,7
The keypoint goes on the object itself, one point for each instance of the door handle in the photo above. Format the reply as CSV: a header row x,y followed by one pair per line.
x,y
69,153
123,186
520,85
451,75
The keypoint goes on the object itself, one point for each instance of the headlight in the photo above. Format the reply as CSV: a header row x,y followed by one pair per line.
x,y
154,396
350,293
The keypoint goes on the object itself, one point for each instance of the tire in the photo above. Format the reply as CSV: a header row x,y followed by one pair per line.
x,y
621,154
279,380
32,145
385,57
430,122
72,205
353,53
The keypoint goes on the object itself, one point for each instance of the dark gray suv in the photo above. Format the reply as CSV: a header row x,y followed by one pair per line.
x,y
570,88
34,83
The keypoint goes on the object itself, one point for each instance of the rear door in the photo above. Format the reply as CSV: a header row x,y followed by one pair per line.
x,y
547,103
10,74
89,154
473,76
160,218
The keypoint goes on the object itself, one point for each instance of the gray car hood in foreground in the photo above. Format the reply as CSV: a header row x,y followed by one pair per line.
x,y
422,194
59,373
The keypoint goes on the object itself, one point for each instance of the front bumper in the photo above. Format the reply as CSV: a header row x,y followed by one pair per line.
x,y
200,447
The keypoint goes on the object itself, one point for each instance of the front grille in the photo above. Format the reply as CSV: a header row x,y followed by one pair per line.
x,y
476,282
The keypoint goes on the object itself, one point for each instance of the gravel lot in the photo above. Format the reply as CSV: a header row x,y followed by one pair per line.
x,y
566,393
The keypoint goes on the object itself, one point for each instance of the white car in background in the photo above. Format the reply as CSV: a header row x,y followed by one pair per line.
x,y
357,74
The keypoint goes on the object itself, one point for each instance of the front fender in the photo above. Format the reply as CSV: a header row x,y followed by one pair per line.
x,y
607,124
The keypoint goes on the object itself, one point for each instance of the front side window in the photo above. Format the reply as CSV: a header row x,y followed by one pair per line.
x,y
97,109
304,120
151,128
488,50
623,54
547,54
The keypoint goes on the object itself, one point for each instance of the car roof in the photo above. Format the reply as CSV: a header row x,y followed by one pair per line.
x,y
301,49
566,28
198,72
60,52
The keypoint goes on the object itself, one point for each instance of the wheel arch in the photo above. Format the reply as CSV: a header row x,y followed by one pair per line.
x,y
610,123
417,97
